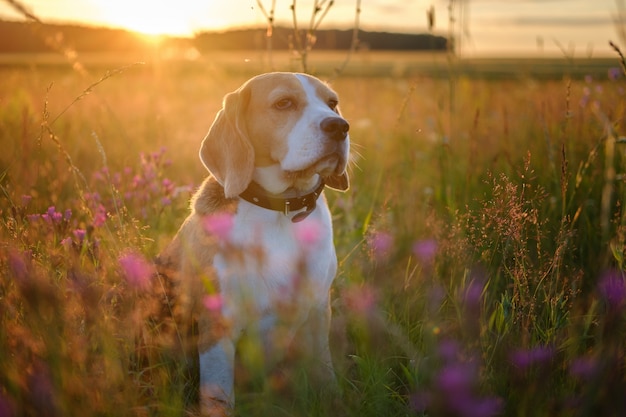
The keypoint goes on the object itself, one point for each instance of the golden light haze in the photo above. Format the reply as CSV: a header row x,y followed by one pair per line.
x,y
487,27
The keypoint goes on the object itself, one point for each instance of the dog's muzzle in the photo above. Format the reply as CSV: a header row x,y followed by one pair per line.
x,y
336,128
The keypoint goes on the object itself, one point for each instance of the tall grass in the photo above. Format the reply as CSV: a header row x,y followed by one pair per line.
x,y
481,250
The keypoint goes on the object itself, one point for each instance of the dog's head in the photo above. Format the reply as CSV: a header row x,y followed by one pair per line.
x,y
286,126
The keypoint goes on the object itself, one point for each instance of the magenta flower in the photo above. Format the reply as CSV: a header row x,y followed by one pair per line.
x,y
308,233
425,250
218,224
456,379
380,244
137,271
612,289
213,302
584,367
18,264
79,234
360,299
26,199
100,216
525,358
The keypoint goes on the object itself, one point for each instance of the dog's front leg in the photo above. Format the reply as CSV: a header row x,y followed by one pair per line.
x,y
313,342
217,378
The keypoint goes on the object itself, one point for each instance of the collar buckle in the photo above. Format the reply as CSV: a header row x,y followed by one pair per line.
x,y
258,196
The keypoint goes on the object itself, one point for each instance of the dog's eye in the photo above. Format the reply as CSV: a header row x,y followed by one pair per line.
x,y
333,104
284,104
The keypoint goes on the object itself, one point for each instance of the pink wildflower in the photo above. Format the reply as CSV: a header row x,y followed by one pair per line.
x,y
308,233
137,271
79,234
380,244
360,299
425,250
612,289
218,224
26,199
213,302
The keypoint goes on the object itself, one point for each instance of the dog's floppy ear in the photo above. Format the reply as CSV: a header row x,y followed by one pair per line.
x,y
226,150
338,182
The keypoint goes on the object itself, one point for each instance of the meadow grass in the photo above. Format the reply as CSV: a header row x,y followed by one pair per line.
x,y
481,244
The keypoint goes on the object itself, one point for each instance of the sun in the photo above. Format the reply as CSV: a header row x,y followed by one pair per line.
x,y
149,17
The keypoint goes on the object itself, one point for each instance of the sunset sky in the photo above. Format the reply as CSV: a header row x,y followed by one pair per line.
x,y
580,27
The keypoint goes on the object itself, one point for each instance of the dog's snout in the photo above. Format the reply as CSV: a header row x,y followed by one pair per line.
x,y
336,127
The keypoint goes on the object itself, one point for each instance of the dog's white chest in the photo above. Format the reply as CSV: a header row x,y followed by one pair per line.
x,y
273,267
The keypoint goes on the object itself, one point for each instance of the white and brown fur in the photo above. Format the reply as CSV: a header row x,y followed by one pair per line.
x,y
283,131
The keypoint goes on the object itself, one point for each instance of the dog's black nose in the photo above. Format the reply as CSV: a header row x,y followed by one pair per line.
x,y
336,128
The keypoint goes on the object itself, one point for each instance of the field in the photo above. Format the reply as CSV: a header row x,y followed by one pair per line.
x,y
481,244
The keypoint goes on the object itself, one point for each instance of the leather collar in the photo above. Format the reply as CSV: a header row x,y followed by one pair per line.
x,y
285,203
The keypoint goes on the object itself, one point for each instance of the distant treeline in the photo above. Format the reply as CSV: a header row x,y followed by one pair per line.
x,y
36,37
283,38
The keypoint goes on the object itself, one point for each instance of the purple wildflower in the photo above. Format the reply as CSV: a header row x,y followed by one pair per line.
x,y
100,216
80,234
584,367
360,299
18,264
455,378
137,271
448,350
612,289
381,243
218,224
308,233
614,73
526,358
425,250
26,199
33,217
213,302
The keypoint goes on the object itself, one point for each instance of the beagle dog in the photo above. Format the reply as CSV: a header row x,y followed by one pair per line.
x,y
256,254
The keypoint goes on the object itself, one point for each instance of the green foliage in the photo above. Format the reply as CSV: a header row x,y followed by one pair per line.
x,y
481,246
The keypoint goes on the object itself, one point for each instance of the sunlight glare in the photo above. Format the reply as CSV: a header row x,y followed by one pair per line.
x,y
149,17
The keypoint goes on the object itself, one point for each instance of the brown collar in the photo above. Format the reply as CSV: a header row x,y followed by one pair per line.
x,y
286,202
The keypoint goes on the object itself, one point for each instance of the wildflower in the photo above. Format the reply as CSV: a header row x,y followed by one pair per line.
x,y
583,367
472,295
456,384
33,217
80,234
213,302
425,250
67,242
455,379
26,199
137,270
308,233
612,289
18,264
218,224
526,358
360,299
614,73
100,216
380,244
448,350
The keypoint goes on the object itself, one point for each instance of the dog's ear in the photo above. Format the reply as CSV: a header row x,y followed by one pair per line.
x,y
338,182
226,150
